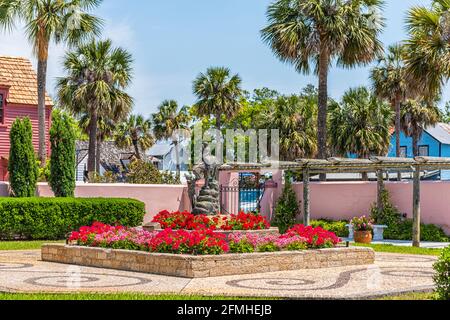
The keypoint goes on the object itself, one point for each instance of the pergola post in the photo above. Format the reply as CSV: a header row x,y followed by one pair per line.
x,y
416,207
380,190
306,197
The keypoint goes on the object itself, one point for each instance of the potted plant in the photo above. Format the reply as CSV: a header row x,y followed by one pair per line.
x,y
363,228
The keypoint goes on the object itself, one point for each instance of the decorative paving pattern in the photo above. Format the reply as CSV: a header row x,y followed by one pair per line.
x,y
22,271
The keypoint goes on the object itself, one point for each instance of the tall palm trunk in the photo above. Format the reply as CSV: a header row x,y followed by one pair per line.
x,y
42,79
98,155
136,149
177,159
324,60
397,131
92,156
415,138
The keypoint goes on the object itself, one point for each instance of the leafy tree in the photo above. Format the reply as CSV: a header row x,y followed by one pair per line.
x,y
311,34
218,94
442,276
416,116
170,123
389,82
294,116
22,165
63,159
60,21
360,124
135,132
98,75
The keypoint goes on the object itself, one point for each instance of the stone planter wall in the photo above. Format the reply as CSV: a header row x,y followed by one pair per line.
x,y
206,266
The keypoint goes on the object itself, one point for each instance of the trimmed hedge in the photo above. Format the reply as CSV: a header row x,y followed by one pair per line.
x,y
54,218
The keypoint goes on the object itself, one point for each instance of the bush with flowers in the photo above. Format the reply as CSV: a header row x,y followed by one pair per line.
x,y
188,221
202,241
362,224
316,238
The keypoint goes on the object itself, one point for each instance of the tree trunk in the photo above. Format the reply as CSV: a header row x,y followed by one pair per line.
x,y
136,149
416,208
92,143
98,155
177,159
415,139
323,106
380,190
365,176
397,132
42,80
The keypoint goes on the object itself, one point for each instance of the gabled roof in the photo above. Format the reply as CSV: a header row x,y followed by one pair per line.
x,y
441,132
159,150
18,74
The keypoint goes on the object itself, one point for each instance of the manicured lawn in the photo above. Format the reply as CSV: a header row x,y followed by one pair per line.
x,y
412,296
112,296
24,245
401,250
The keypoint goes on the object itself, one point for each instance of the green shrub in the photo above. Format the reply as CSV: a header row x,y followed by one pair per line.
x,y
337,227
442,277
141,172
22,165
287,208
400,229
63,159
53,218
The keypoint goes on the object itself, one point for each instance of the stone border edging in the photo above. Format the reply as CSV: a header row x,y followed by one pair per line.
x,y
188,266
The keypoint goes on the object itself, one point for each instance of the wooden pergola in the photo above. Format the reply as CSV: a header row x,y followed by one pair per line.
x,y
379,165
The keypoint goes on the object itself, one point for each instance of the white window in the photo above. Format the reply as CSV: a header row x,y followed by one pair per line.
x,y
424,151
403,152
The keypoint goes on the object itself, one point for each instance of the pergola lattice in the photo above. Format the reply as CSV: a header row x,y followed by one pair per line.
x,y
378,165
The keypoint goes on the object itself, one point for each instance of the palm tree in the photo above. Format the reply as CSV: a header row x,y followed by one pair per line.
x,y
295,117
312,34
218,94
98,75
64,21
416,116
135,132
389,82
169,122
428,60
360,125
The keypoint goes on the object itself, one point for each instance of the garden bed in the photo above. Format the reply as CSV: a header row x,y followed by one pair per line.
x,y
190,266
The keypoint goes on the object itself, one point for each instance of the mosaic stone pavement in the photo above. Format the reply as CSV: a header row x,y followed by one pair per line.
x,y
22,271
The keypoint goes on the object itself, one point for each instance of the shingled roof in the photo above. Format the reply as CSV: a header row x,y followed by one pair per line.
x,y
18,74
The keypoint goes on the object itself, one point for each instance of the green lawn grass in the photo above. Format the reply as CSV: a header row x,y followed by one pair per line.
x,y
412,296
112,296
401,250
24,245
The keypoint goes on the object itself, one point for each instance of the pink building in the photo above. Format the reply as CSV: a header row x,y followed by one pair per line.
x,y
18,98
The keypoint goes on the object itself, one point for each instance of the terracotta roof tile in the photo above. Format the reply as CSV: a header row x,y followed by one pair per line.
x,y
19,75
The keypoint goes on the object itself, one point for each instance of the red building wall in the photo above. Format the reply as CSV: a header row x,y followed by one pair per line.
x,y
11,113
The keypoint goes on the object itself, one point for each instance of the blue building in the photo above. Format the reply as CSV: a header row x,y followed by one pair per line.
x,y
435,142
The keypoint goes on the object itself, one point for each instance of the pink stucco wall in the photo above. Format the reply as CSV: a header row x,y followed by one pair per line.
x,y
344,200
155,197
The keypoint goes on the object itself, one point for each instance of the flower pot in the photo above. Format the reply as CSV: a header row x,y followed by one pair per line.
x,y
363,237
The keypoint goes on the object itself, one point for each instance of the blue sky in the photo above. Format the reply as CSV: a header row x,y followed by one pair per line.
x,y
172,41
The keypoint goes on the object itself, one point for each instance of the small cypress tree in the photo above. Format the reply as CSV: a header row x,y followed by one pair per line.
x,y
22,166
287,207
63,158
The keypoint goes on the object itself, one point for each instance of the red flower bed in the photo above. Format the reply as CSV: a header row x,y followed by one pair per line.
x,y
315,237
184,242
202,241
188,221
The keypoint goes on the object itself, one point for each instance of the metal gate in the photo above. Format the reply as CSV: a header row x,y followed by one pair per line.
x,y
241,196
